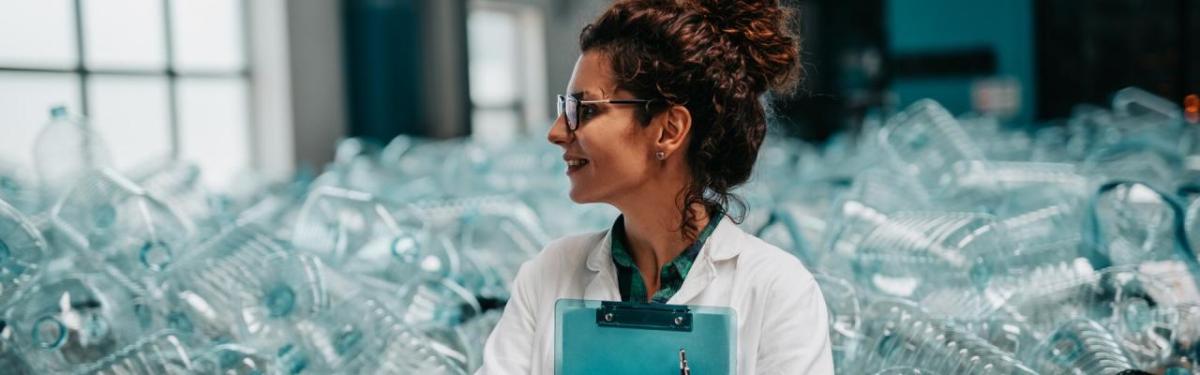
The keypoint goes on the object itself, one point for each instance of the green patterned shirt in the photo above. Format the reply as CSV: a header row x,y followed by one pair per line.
x,y
629,278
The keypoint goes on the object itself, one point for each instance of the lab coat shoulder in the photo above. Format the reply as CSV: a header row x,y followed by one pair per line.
x,y
770,266
794,319
513,344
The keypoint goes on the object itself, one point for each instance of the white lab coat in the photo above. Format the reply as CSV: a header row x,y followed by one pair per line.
x,y
783,324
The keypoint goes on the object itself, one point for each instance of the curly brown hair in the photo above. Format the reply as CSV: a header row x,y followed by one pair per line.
x,y
714,57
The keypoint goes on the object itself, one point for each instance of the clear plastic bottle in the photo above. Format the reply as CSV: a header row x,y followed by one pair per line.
x,y
845,319
181,183
873,195
362,335
106,216
244,285
344,226
70,320
65,149
925,140
1132,223
913,253
904,371
19,187
162,353
1004,188
475,333
1081,346
1125,301
234,359
904,335
23,252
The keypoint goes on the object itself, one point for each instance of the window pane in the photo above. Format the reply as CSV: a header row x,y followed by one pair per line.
x,y
214,127
124,34
131,114
25,100
495,60
208,35
37,33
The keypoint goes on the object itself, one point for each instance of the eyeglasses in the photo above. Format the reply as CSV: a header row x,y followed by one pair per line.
x,y
569,106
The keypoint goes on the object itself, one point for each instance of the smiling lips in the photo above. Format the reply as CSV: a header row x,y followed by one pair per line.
x,y
574,164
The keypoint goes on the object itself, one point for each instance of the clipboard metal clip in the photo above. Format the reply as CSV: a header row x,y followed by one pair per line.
x,y
644,316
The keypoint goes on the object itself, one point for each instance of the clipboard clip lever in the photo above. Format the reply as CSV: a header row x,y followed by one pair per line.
x,y
644,316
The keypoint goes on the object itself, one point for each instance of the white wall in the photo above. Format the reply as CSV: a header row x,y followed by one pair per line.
x,y
273,137
317,79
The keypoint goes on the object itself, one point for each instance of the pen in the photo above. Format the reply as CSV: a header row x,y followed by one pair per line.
x,y
683,365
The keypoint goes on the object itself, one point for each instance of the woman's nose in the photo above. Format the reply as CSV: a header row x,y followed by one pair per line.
x,y
558,132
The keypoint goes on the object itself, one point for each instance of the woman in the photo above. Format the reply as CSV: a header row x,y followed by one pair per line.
x,y
662,118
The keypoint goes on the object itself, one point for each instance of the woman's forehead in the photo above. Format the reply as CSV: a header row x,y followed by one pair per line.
x,y
592,78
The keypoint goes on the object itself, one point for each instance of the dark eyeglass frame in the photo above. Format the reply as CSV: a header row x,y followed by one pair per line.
x,y
568,106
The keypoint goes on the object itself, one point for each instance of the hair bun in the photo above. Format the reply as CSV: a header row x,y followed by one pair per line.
x,y
764,31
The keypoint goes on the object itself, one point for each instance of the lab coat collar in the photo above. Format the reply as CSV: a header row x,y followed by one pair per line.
x,y
603,286
723,244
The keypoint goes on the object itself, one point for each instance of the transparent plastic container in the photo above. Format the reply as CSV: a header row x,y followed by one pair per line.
x,y
362,335
913,253
23,252
338,223
106,216
243,285
873,195
1132,223
925,140
1150,161
162,353
903,335
1081,346
904,371
1005,188
234,359
181,181
1124,301
19,187
69,320
845,318
66,149
475,333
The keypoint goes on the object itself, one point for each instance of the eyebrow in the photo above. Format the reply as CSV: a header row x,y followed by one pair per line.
x,y
579,95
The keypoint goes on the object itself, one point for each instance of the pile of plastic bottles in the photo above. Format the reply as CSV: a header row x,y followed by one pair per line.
x,y
385,263
942,245
951,245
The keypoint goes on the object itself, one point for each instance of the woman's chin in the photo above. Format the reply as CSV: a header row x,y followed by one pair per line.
x,y
580,196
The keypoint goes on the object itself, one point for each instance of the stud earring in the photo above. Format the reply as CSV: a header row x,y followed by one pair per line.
x,y
661,155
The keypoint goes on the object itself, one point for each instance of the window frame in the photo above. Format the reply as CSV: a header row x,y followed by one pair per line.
x,y
531,103
82,73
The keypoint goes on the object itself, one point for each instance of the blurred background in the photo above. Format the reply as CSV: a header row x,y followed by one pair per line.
x,y
231,186
271,85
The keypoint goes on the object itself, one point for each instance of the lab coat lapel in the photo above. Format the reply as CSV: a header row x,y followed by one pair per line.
x,y
603,285
722,245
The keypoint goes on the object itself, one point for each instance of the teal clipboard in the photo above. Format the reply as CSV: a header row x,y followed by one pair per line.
x,y
604,337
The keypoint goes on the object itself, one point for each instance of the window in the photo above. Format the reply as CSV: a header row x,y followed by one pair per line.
x,y
156,78
506,51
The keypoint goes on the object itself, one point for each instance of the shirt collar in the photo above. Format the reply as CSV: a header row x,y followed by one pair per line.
x,y
620,244
722,244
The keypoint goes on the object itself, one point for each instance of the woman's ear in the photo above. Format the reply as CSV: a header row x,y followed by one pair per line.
x,y
676,125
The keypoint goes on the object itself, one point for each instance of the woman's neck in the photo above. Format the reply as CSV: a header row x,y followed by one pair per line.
x,y
652,220
652,230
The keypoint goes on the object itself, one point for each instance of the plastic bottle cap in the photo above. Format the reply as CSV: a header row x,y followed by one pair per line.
x,y
58,112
